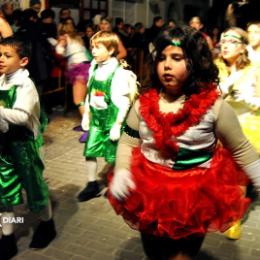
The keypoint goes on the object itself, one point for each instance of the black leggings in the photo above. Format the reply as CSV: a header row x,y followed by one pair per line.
x,y
162,248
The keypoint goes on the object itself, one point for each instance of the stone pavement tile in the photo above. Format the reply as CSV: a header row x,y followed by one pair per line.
x,y
82,250
256,252
55,253
32,256
247,257
77,257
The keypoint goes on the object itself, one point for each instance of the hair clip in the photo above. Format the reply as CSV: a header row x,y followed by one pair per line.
x,y
176,43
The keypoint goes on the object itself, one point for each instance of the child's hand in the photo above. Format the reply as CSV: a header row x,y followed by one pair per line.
x,y
115,132
121,184
4,126
85,122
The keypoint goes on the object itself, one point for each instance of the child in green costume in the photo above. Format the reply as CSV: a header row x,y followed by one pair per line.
x,y
111,89
20,162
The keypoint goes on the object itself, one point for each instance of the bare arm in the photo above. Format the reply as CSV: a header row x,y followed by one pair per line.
x,y
5,28
122,52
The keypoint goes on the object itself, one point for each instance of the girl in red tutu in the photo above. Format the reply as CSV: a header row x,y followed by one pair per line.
x,y
173,181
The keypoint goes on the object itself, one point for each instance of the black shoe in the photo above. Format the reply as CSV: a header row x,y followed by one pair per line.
x,y
44,234
8,247
92,190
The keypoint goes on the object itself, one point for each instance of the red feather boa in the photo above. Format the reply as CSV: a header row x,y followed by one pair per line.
x,y
166,126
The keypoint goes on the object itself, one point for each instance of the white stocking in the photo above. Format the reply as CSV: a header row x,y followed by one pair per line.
x,y
46,213
7,228
92,169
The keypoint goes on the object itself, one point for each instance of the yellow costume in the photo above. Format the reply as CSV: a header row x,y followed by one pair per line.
x,y
241,90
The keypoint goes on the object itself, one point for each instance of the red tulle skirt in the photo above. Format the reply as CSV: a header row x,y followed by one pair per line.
x,y
176,204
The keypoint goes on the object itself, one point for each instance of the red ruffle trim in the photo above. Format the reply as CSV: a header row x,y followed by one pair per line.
x,y
177,204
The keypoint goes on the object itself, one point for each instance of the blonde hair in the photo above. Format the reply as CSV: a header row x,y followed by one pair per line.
x,y
109,39
69,28
243,59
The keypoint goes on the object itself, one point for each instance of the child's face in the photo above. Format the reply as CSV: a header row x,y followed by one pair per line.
x,y
195,23
231,46
89,32
105,26
254,35
10,60
172,70
100,52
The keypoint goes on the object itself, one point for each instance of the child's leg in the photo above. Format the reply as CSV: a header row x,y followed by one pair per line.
x,y
92,190
234,232
79,92
165,248
45,232
103,174
8,247
91,169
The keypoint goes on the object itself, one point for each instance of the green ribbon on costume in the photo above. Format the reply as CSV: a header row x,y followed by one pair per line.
x,y
187,159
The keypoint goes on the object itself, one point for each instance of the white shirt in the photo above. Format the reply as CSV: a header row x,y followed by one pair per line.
x,y
26,109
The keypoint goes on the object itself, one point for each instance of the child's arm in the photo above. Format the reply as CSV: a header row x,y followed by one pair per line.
x,y
4,126
228,130
122,179
27,102
5,28
121,97
86,116
60,47
14,116
122,52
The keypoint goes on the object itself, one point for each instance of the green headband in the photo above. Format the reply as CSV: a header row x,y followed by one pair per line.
x,y
176,43
232,36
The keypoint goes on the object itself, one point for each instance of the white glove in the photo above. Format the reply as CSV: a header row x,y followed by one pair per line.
x,y
115,132
121,184
85,121
4,126
253,172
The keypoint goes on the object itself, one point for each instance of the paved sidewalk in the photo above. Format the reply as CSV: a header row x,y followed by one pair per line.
x,y
91,230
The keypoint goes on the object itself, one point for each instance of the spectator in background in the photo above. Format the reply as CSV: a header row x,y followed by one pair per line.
x,y
139,38
119,29
64,14
7,10
88,33
239,13
253,30
154,30
48,24
171,24
197,24
17,17
83,22
215,33
106,25
36,5
39,66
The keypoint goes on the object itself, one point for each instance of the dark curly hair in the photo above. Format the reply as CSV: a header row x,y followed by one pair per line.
x,y
197,54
